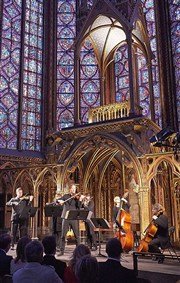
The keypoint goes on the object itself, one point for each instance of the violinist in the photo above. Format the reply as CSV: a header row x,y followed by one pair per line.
x,y
70,201
161,237
56,224
19,220
88,204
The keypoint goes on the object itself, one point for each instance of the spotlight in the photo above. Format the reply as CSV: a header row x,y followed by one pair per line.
x,y
176,139
159,139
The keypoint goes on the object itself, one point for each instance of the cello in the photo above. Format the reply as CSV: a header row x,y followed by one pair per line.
x,y
149,235
124,233
150,232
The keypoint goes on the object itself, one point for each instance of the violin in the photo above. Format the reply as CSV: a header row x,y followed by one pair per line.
x,y
75,196
26,197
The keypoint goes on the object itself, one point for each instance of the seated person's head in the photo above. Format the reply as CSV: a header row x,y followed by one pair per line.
x,y
49,244
114,248
34,251
20,250
86,269
5,242
79,252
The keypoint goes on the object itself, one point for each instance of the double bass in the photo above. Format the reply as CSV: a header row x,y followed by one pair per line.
x,y
124,233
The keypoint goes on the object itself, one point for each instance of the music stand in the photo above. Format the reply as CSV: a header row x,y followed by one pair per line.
x,y
33,211
100,223
53,211
78,214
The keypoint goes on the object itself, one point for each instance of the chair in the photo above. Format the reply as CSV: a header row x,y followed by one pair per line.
x,y
170,246
7,279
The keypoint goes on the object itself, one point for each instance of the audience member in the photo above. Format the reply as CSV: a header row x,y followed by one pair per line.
x,y
49,243
20,260
69,274
86,269
33,271
112,270
5,260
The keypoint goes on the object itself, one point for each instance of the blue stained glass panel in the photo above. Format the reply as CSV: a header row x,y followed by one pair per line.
x,y
175,36
66,32
148,7
121,73
9,72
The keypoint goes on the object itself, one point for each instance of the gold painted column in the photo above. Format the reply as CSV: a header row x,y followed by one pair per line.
x,y
35,218
144,208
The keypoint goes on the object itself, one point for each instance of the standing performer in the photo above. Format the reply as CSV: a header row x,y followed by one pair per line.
x,y
19,218
88,204
56,224
69,201
118,202
161,237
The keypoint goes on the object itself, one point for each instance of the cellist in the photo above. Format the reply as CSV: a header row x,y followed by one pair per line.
x,y
161,237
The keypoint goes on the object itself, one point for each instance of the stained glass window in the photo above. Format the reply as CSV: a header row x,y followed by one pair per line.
x,y
143,84
21,56
66,32
148,6
175,33
32,76
122,73
9,72
89,80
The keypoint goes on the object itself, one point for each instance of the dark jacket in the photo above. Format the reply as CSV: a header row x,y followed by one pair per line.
x,y
71,204
5,261
112,271
18,208
162,232
58,264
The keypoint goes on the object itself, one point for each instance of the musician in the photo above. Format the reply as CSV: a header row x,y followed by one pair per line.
x,y
88,204
56,224
19,216
70,201
161,237
119,203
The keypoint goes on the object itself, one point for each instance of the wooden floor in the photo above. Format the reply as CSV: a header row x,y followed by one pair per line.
x,y
168,272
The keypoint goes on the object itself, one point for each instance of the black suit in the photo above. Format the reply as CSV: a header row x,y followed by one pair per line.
x,y
91,237
58,264
72,204
161,238
19,219
112,271
4,263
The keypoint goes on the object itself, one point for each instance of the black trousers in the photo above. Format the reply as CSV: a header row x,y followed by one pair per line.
x,y
90,234
154,246
65,228
22,226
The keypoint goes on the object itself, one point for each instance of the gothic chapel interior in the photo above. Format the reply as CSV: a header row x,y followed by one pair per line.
x,y
89,91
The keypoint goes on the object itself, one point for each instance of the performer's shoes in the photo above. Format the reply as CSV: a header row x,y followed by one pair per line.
x,y
161,259
154,258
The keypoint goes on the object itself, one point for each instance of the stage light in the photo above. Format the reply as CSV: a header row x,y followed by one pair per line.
x,y
161,137
176,139
166,137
